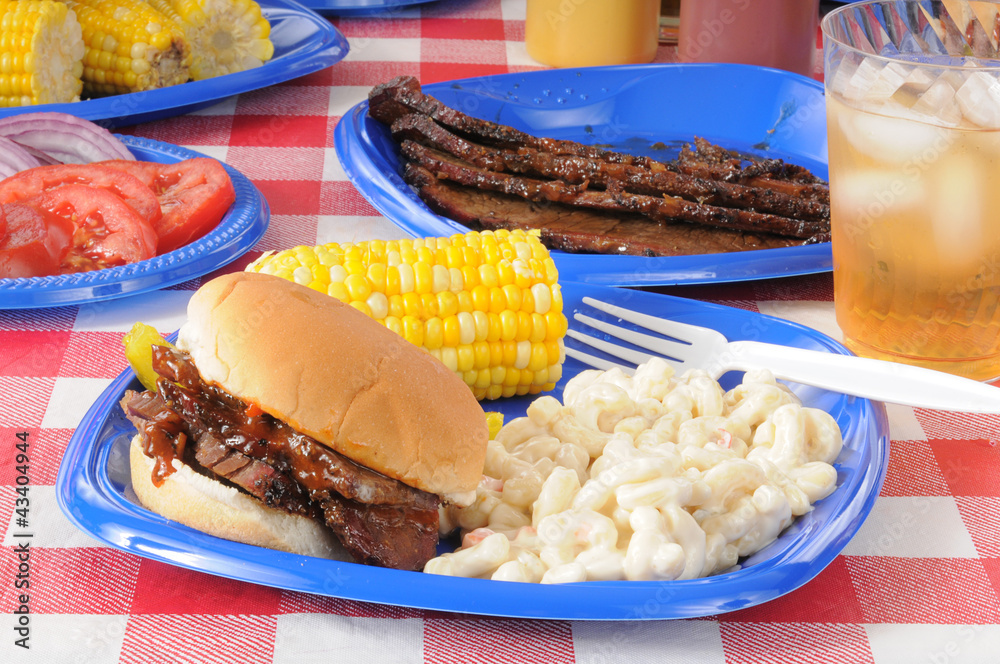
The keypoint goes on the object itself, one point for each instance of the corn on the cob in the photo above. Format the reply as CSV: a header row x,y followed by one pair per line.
x,y
130,47
41,45
487,304
226,36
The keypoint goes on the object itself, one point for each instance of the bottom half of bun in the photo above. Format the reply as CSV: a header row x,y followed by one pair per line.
x,y
215,508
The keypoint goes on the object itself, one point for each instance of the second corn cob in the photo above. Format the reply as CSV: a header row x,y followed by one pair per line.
x,y
487,304
226,36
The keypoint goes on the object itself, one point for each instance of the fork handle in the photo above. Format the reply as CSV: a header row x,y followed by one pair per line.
x,y
871,379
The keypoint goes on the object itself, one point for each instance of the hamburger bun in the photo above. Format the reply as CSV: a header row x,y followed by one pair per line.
x,y
334,374
223,511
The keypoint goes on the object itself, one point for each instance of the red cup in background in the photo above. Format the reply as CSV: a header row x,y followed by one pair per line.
x,y
769,33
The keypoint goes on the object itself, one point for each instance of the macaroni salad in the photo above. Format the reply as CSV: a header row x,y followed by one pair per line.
x,y
649,476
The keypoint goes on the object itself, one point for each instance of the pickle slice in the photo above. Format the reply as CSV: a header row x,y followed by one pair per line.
x,y
139,342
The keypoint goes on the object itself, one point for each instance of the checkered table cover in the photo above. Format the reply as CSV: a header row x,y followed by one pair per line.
x,y
918,584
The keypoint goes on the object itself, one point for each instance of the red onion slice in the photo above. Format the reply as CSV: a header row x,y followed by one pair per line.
x,y
43,159
65,138
14,158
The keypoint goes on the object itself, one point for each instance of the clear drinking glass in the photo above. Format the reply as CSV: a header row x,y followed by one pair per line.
x,y
913,117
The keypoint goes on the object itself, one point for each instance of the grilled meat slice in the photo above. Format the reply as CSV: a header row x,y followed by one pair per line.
x,y
401,96
664,208
580,229
706,161
602,174
385,535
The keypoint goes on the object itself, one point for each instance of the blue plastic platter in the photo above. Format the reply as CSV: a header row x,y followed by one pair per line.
x,y
303,43
239,230
359,7
93,484
643,109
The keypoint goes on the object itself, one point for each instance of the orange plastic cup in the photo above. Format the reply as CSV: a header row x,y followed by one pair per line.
x,y
581,33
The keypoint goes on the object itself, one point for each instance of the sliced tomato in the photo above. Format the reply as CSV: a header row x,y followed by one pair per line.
x,y
194,195
107,231
33,181
34,243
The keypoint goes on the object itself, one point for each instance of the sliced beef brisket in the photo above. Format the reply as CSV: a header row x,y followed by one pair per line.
x,y
579,229
657,208
602,174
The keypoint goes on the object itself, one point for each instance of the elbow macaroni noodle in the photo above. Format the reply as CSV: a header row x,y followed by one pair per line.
x,y
650,476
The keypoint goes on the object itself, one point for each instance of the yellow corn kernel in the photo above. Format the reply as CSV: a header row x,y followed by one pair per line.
x,y
396,308
449,356
362,307
539,358
447,304
466,358
508,325
429,305
393,323
451,331
433,333
481,349
481,298
358,288
498,301
413,330
412,305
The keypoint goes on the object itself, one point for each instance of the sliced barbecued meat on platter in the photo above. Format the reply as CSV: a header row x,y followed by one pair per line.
x,y
657,208
584,198
603,174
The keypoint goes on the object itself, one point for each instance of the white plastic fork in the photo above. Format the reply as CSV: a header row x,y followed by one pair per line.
x,y
703,348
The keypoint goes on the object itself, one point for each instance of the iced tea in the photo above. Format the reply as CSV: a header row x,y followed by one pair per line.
x,y
914,154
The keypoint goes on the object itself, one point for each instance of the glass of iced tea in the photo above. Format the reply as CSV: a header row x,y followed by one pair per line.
x,y
913,117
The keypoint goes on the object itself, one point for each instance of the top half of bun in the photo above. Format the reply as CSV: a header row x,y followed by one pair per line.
x,y
334,374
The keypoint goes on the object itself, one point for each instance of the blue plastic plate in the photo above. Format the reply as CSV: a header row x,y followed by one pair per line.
x,y
239,230
359,7
642,109
93,484
303,43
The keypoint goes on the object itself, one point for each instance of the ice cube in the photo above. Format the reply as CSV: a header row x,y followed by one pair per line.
x,y
920,79
874,81
841,80
892,134
939,104
861,198
958,211
979,100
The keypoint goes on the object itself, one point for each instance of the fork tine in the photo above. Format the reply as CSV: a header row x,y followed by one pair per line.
x,y
680,331
627,354
672,349
597,362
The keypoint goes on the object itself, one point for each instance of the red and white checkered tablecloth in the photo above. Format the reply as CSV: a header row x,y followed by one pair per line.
x,y
920,583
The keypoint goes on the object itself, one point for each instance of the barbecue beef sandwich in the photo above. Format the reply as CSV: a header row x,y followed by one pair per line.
x,y
286,419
